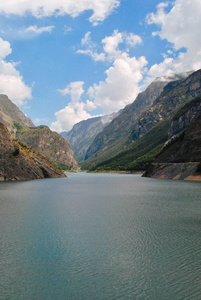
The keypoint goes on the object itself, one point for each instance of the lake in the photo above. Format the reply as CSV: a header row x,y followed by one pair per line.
x,y
100,236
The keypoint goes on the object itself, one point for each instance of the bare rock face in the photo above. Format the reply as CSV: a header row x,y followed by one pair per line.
x,y
50,144
41,139
180,159
10,113
18,162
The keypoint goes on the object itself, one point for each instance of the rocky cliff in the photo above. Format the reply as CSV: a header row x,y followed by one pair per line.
x,y
10,113
150,132
48,143
113,138
18,162
181,157
41,139
135,120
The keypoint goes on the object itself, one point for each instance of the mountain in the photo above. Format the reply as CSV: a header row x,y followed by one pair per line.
x,y
48,143
150,130
115,138
18,162
83,133
10,113
41,139
112,139
181,157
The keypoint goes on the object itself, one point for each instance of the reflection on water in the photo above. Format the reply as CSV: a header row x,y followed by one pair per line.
x,y
100,236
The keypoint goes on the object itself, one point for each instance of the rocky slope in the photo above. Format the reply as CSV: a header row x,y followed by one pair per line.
x,y
181,157
135,120
48,143
41,139
10,113
83,133
18,162
113,137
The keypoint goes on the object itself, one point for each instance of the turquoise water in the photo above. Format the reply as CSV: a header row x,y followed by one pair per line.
x,y
100,236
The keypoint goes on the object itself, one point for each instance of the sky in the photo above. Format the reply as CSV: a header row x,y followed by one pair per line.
x,y
65,61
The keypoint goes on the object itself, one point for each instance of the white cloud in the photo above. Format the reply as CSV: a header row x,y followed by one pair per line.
x,y
5,48
133,40
74,89
11,82
91,48
45,8
39,30
75,111
111,43
121,85
180,26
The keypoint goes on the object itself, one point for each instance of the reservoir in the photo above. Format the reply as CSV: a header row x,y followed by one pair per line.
x,y
100,236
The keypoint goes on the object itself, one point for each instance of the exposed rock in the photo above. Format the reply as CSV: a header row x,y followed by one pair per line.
x,y
150,107
18,162
10,113
180,159
50,144
185,117
113,138
41,139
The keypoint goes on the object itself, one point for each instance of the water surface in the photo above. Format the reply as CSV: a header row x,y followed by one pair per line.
x,y
100,236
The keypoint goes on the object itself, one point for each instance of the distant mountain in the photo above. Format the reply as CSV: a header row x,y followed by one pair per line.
x,y
83,133
41,139
150,130
48,143
10,113
18,162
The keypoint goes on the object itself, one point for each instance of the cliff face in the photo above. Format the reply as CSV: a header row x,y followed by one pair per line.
x,y
50,144
175,95
18,162
185,117
41,139
10,113
115,145
113,138
181,157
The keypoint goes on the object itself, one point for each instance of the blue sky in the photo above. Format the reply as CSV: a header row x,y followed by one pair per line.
x,y
65,61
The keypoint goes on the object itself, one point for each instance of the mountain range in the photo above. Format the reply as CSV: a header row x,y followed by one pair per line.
x,y
158,133
132,140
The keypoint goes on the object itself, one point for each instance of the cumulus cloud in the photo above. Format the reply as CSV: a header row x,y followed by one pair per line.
x,y
75,111
45,8
74,89
180,26
121,85
5,48
110,45
11,82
